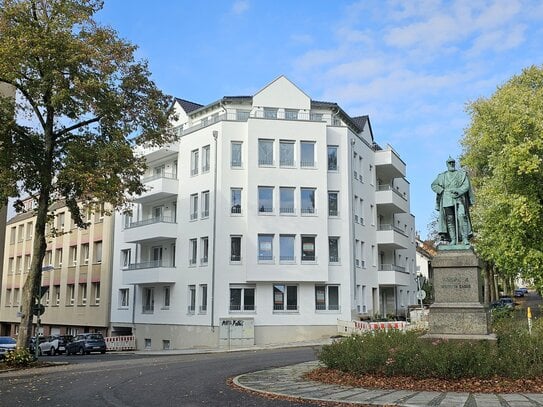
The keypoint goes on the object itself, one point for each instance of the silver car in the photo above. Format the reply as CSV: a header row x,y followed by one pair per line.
x,y
7,344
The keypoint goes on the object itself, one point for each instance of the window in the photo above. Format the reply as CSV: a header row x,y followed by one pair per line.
x,y
308,248
327,297
242,299
235,154
286,153
291,114
29,230
193,249
307,200
73,255
205,158
316,117
286,248
333,249
95,287
8,297
16,299
27,263
204,244
203,298
21,230
332,158
19,265
235,248
285,297
82,300
242,115
158,213
127,220
85,253
166,296
58,258
60,222
265,199
159,171
270,113
205,204
286,200
265,152
48,259
98,252
265,247
235,194
332,203
11,263
194,157
70,294
125,257
192,299
194,206
148,300
307,154
156,253
13,235
124,297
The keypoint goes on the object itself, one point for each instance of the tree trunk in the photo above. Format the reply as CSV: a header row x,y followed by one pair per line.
x,y
487,281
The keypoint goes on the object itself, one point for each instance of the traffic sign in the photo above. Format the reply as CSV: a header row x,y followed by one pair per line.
x,y
421,295
38,309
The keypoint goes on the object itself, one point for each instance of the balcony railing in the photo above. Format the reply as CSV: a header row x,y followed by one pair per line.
x,y
392,267
383,227
159,176
150,221
148,265
388,187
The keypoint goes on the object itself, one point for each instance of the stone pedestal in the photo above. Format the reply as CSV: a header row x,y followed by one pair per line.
x,y
458,311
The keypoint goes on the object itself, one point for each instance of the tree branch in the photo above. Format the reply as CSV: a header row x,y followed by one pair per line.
x,y
28,98
75,127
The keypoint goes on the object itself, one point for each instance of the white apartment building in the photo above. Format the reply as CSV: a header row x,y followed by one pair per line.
x,y
270,218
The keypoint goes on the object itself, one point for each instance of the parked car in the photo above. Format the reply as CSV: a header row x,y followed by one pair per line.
x,y
518,293
86,343
506,302
32,343
7,344
524,290
54,344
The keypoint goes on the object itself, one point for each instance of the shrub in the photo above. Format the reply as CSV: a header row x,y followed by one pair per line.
x,y
18,358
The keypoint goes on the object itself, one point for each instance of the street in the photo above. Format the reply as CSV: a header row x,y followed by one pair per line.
x,y
140,380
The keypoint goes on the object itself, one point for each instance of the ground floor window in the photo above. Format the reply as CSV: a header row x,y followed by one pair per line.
x,y
148,300
242,298
327,297
285,297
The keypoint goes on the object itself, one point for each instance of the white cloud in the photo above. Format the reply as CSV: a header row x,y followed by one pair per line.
x,y
240,6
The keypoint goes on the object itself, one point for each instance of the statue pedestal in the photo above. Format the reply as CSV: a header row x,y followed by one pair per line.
x,y
458,311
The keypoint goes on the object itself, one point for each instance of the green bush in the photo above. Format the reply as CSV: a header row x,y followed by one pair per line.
x,y
515,354
19,358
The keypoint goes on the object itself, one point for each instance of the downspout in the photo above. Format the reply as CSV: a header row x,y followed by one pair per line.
x,y
214,238
353,237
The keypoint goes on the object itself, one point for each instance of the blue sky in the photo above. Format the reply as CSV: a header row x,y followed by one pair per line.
x,y
410,65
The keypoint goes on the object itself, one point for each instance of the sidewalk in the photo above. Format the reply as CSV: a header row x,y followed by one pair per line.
x,y
287,381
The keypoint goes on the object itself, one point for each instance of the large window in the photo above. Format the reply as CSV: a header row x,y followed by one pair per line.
x,y
285,297
286,200
203,298
291,114
192,299
98,252
205,204
166,297
286,153
307,154
265,247
194,158
332,203
270,113
327,297
308,248
307,200
194,206
265,199
205,158
332,158
235,248
286,248
235,154
265,152
333,249
235,194
148,300
124,298
204,247
193,251
242,299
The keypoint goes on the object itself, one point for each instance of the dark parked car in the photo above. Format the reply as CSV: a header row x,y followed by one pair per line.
x,y
7,344
506,302
86,343
519,293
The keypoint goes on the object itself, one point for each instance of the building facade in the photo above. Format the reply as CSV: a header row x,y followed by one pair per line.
x,y
76,281
272,212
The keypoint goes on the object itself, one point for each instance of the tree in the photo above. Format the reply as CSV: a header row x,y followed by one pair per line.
x,y
503,150
80,96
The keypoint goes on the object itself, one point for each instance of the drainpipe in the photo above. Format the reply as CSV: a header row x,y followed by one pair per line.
x,y
214,239
353,237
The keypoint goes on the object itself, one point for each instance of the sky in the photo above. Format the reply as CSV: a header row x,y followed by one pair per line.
x,y
412,66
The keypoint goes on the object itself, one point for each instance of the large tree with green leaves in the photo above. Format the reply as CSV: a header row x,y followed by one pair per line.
x,y
81,94
503,150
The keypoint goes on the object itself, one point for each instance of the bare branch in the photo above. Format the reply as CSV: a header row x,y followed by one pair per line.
x,y
75,127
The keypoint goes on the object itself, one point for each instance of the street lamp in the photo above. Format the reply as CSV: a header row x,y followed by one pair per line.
x,y
39,309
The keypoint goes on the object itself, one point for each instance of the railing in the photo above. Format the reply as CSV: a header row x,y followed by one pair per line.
x,y
307,164
392,267
263,257
263,209
265,161
286,162
307,211
286,210
147,309
309,257
159,176
333,259
147,265
388,187
116,343
384,227
150,221
330,307
287,258
235,257
333,212
235,209
237,307
281,307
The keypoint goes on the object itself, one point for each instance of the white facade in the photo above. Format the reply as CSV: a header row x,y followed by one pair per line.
x,y
273,209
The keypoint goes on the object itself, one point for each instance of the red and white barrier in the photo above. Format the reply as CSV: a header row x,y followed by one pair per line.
x,y
120,343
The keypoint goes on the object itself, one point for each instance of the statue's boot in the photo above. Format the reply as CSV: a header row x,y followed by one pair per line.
x,y
452,232
464,235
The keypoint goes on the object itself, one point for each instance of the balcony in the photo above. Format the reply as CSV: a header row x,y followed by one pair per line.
x,y
158,187
151,272
152,229
391,274
388,164
158,153
391,237
390,200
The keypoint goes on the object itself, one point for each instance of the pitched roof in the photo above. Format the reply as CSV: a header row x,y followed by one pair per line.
x,y
187,105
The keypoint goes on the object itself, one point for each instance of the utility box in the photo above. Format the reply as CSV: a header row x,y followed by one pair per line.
x,y
236,332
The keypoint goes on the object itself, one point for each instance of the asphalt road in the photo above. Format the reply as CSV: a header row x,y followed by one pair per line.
x,y
139,380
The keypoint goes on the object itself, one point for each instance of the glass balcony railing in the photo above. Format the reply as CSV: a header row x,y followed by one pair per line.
x,y
150,221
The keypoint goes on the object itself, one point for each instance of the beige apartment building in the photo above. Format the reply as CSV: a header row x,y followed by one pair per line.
x,y
77,280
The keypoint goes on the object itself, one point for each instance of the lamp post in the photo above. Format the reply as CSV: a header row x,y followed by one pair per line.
x,y
39,309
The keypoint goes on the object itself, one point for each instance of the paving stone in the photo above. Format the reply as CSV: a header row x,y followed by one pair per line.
x,y
394,397
424,398
536,397
516,400
454,400
486,400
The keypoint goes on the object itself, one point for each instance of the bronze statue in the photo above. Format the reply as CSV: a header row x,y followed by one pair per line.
x,y
454,197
